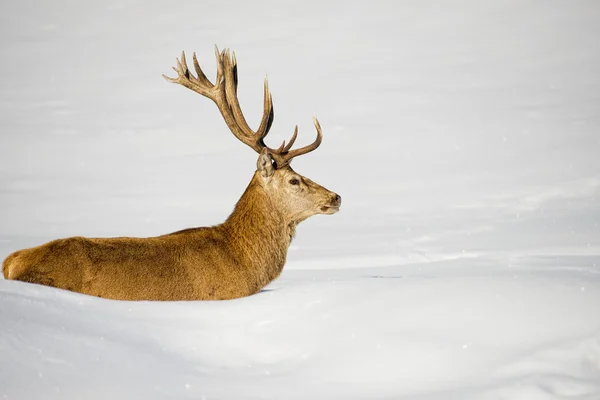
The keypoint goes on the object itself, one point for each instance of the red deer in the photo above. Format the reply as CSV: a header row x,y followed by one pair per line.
x,y
234,259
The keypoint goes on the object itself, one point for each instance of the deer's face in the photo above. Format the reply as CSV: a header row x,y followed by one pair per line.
x,y
296,194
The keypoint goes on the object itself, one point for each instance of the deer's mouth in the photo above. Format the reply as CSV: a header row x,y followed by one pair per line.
x,y
330,209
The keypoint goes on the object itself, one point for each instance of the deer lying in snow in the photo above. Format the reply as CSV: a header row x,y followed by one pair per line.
x,y
235,259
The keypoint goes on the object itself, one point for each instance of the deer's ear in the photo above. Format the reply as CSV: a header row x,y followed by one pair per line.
x,y
264,165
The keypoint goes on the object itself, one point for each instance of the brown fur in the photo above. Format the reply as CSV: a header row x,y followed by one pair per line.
x,y
234,259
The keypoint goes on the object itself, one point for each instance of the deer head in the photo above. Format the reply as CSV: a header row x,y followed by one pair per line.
x,y
296,195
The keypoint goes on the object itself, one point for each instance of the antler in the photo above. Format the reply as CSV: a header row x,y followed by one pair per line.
x,y
224,93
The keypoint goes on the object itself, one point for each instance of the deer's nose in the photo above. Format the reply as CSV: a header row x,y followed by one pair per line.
x,y
337,199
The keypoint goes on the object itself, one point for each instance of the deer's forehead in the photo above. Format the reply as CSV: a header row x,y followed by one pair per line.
x,y
287,171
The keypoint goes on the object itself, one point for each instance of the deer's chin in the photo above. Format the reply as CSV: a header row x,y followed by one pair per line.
x,y
329,209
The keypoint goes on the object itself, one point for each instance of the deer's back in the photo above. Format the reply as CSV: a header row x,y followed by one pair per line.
x,y
189,265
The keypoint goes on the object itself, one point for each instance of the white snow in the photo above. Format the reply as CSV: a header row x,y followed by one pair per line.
x,y
462,136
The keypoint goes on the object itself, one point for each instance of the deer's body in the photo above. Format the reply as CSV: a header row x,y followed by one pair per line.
x,y
235,259
231,260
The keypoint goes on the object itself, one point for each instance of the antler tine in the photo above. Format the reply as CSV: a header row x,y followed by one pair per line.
x,y
287,157
219,57
234,69
183,65
280,149
268,113
292,140
231,93
201,77
283,148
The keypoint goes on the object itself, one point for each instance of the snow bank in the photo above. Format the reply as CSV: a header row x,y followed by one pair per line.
x,y
463,137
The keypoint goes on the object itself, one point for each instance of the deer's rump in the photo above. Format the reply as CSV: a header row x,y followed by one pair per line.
x,y
116,268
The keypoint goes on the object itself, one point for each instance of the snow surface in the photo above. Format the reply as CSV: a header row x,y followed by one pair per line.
x,y
463,137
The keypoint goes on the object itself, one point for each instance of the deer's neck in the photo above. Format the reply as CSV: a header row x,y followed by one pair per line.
x,y
259,233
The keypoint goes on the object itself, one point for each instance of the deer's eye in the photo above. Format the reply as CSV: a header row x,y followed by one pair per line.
x,y
294,181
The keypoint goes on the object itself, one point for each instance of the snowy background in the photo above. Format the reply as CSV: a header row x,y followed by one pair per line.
x,y
463,137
